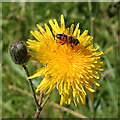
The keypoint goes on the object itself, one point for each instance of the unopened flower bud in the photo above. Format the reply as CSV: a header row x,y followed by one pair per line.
x,y
18,52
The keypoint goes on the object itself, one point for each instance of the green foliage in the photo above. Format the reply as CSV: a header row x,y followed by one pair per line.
x,y
18,19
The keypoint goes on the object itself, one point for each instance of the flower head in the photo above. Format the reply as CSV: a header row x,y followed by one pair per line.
x,y
67,67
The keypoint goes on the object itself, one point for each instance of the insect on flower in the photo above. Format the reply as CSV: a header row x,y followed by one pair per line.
x,y
80,65
67,39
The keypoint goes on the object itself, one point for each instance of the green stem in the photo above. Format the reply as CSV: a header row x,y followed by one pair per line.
x,y
45,100
89,5
39,104
92,19
31,85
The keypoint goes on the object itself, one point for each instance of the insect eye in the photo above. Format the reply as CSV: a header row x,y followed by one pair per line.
x,y
18,52
59,36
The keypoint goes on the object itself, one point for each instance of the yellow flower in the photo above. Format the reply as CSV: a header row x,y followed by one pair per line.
x,y
68,68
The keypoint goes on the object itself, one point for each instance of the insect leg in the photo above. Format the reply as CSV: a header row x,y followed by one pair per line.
x,y
59,46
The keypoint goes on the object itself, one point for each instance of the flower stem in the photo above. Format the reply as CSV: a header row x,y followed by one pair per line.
x,y
37,113
45,100
31,85
38,103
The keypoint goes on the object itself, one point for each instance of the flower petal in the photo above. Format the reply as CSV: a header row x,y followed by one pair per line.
x,y
76,30
62,23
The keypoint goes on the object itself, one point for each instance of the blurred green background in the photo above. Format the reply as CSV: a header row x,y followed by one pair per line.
x,y
18,19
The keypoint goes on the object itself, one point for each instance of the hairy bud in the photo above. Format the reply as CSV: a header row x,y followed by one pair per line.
x,y
18,52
